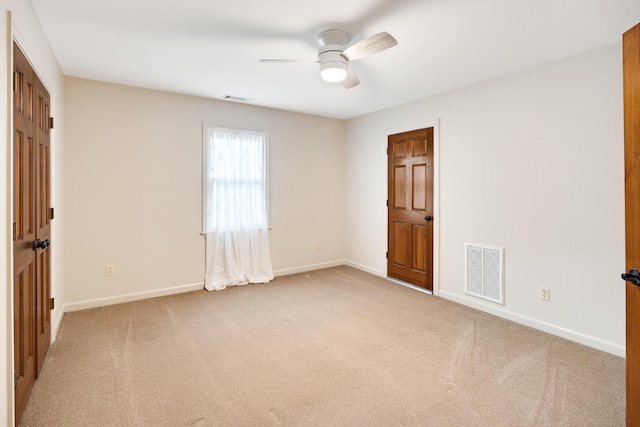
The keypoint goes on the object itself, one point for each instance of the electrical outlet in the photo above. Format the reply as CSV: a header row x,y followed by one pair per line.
x,y
110,270
350,245
318,247
545,294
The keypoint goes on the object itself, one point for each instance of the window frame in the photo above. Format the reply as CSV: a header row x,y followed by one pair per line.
x,y
205,155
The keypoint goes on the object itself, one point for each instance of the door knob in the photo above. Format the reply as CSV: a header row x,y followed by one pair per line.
x,y
428,218
632,276
41,244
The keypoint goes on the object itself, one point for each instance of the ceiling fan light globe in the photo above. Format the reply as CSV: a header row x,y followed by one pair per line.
x,y
333,75
333,72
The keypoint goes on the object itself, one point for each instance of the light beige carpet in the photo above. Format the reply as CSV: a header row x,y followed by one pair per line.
x,y
335,347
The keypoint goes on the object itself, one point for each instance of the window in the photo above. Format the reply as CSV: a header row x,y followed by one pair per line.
x,y
235,208
235,180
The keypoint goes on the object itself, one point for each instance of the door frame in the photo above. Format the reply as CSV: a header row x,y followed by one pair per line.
x,y
10,390
427,123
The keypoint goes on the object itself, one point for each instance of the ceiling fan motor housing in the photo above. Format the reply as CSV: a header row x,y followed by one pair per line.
x,y
333,65
331,53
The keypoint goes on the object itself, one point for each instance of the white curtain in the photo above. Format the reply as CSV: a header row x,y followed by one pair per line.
x,y
236,228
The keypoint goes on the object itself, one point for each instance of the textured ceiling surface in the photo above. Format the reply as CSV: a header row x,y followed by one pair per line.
x,y
211,48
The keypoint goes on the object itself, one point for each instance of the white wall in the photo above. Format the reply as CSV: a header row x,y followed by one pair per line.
x,y
532,162
133,176
19,21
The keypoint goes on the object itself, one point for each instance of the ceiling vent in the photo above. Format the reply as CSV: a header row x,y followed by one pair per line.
x,y
238,98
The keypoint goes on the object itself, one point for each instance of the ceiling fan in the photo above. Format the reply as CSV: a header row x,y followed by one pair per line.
x,y
334,55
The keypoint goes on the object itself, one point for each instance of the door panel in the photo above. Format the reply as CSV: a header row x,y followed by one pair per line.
x,y
419,180
24,215
31,218
410,235
400,176
419,249
399,249
25,352
631,73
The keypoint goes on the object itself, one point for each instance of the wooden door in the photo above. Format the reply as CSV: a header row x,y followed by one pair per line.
x,y
31,228
410,207
631,73
24,230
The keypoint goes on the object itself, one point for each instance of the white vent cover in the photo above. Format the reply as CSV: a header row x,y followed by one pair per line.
x,y
238,98
484,275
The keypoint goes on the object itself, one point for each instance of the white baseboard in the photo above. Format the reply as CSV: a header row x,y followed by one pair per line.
x,y
304,268
56,324
119,299
578,337
365,268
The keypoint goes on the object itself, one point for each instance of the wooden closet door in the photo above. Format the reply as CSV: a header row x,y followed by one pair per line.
x,y
24,230
631,72
32,216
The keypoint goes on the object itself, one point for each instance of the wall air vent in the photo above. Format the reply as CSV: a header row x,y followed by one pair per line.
x,y
238,98
484,272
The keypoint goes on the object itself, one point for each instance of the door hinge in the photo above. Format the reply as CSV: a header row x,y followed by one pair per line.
x,y
16,377
15,80
15,231
52,303
50,213
50,122
387,151
386,255
387,203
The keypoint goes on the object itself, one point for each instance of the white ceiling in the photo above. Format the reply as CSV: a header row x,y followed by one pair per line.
x,y
210,48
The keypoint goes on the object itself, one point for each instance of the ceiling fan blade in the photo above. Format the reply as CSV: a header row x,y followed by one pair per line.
x,y
350,81
289,61
369,46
